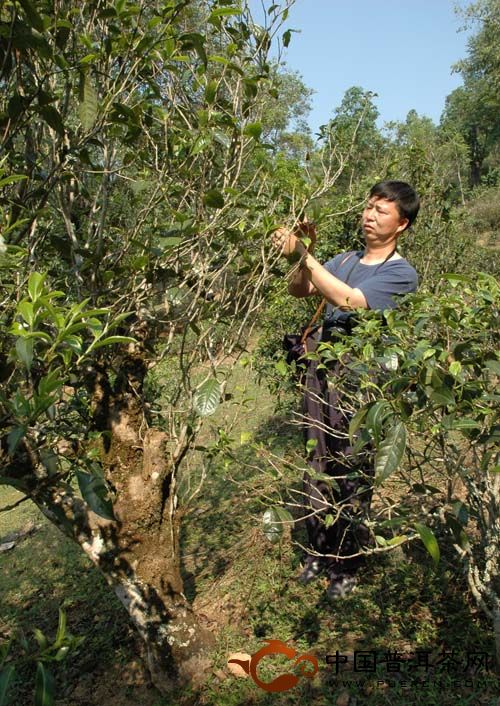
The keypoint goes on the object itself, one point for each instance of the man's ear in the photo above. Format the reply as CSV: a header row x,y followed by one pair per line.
x,y
403,225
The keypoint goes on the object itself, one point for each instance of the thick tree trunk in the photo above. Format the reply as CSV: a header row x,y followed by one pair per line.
x,y
138,553
146,579
145,538
476,157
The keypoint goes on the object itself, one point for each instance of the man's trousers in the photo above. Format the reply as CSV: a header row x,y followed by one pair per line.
x,y
335,509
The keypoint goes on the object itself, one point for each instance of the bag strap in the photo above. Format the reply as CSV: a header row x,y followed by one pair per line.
x,y
310,325
320,308
317,313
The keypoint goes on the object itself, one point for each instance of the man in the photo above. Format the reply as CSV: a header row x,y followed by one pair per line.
x,y
370,279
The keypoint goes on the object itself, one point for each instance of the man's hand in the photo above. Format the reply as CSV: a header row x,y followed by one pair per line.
x,y
287,242
308,229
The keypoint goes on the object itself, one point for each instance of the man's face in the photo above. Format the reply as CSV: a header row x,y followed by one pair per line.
x,y
381,220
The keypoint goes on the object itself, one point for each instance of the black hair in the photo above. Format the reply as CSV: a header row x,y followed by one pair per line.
x,y
404,196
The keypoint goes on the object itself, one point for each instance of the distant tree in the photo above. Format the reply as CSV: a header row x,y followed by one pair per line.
x,y
284,119
348,159
473,109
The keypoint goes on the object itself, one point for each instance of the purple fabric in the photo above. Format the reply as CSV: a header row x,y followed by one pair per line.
x,y
348,499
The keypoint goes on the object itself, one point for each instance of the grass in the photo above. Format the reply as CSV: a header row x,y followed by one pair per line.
x,y
244,588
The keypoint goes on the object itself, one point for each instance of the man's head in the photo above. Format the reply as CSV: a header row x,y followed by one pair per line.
x,y
402,195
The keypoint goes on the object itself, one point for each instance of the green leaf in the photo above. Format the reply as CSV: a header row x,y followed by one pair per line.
x,y
464,424
429,353
460,511
224,12
390,452
207,397
196,41
458,531
6,676
391,361
53,118
430,542
88,107
375,418
272,524
424,488
363,439
356,422
25,308
395,541
123,113
40,638
311,445
324,477
454,279
16,105
110,340
49,459
283,515
88,59
282,368
211,91
32,15
13,178
455,368
253,130
60,60
61,629
14,482
94,492
44,686
493,365
201,144
24,350
245,437
443,396
171,242
213,199
61,653
35,285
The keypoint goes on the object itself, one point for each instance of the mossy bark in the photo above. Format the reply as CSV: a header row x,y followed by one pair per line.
x,y
138,552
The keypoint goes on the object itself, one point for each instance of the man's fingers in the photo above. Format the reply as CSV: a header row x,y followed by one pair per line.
x,y
308,228
279,238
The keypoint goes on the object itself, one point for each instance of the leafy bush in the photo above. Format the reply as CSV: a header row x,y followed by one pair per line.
x,y
428,408
47,652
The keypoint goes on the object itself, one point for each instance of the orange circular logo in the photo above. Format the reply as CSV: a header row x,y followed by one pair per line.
x,y
284,681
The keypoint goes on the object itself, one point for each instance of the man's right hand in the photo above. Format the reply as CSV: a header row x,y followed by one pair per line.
x,y
289,241
308,229
285,241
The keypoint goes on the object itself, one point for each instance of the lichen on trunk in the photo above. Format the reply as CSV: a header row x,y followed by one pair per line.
x,y
146,551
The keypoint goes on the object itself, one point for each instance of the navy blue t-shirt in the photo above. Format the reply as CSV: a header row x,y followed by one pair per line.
x,y
380,283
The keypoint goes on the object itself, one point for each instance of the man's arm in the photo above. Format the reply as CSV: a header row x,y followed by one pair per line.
x,y
312,278
300,285
332,288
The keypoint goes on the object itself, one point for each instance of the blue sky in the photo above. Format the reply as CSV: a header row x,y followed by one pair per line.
x,y
400,49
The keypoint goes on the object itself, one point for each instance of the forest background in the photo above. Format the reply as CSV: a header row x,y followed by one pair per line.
x,y
147,414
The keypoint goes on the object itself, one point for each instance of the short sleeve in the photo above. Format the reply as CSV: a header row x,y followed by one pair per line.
x,y
381,290
333,264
